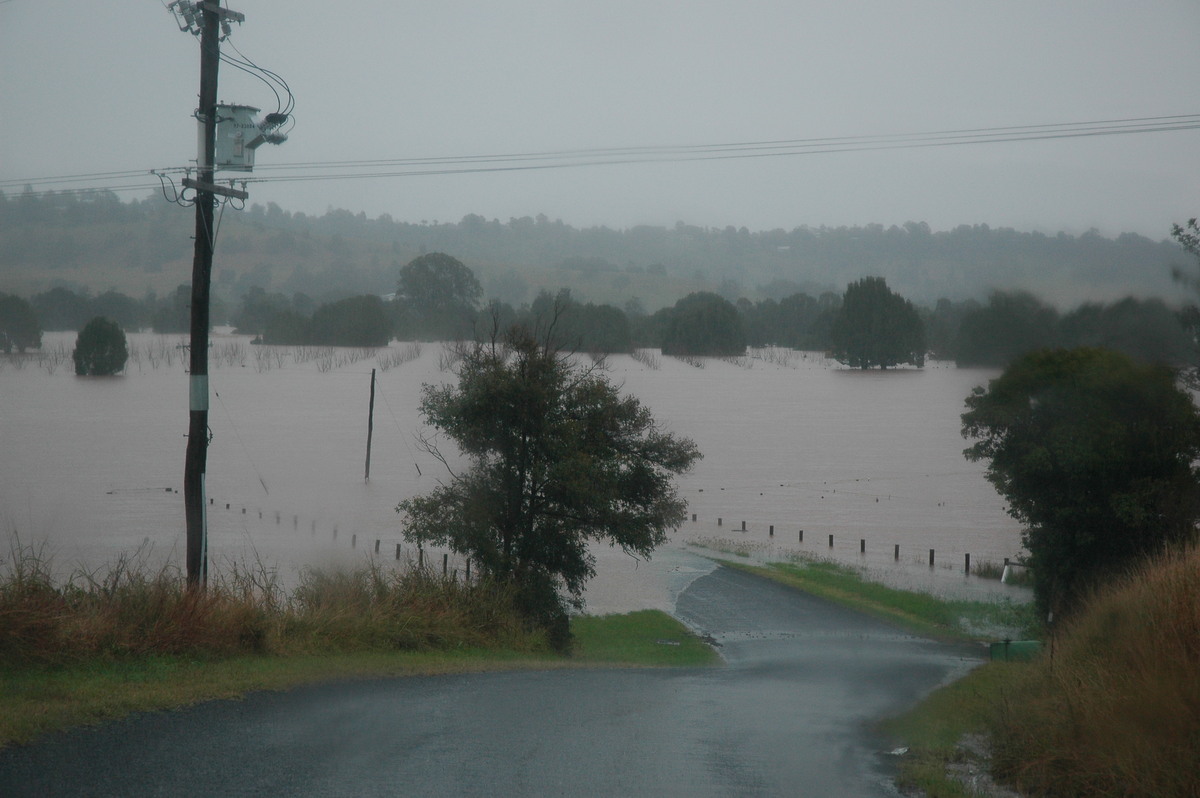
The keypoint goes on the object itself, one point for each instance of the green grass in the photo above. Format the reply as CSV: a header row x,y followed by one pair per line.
x,y
40,698
647,637
946,619
934,730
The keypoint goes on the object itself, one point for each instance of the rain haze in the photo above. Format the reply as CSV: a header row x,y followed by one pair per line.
x,y
111,88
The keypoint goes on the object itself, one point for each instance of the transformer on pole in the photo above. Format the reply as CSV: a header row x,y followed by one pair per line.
x,y
227,139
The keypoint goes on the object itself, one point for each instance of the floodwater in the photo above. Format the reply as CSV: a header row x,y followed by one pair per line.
x,y
92,468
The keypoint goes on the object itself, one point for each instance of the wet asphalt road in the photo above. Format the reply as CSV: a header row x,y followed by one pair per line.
x,y
790,714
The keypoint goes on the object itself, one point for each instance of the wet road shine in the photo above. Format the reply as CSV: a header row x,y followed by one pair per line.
x,y
790,714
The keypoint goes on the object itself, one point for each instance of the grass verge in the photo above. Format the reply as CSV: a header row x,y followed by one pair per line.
x,y
98,645
47,697
945,619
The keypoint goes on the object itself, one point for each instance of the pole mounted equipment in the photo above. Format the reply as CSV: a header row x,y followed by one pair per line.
x,y
227,138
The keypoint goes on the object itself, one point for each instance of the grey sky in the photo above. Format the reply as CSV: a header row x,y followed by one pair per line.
x,y
106,87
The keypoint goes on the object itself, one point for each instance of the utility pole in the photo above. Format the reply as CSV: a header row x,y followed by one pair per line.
x,y
196,463
207,20
209,16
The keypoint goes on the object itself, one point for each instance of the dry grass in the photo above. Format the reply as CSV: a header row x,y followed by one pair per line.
x,y
129,610
1115,710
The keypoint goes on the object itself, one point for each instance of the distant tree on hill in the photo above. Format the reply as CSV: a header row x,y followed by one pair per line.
x,y
703,324
100,348
19,326
876,327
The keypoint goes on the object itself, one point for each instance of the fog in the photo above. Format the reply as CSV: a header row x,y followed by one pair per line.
x,y
109,89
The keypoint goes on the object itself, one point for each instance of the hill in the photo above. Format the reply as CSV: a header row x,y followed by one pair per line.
x,y
99,243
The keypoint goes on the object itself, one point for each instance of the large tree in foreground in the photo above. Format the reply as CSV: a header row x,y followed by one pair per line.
x,y
557,459
1096,455
876,327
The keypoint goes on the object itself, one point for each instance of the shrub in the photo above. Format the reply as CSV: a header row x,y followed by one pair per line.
x,y
100,348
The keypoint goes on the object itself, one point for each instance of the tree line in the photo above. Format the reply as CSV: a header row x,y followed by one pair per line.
x,y
438,297
48,235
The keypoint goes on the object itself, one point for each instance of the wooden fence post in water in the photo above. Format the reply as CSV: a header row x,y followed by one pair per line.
x,y
397,551
931,558
831,541
354,541
967,565
743,526
896,553
718,522
862,545
801,540
376,545
693,518
771,531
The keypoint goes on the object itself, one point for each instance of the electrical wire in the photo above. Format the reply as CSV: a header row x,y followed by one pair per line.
x,y
654,154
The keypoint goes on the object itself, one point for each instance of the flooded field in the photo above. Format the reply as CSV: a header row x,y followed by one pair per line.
x,y
93,468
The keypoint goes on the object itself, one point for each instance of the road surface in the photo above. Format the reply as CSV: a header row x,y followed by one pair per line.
x,y
789,714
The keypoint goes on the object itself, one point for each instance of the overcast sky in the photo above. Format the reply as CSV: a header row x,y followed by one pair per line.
x,y
111,86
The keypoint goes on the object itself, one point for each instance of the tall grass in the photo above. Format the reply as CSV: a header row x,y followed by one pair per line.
x,y
1115,709
130,610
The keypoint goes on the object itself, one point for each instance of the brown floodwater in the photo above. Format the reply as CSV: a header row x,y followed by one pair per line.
x,y
92,467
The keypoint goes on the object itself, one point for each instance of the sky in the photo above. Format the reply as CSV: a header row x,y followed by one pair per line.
x,y
89,88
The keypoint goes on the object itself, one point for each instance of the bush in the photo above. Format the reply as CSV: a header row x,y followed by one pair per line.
x,y
1115,708
100,348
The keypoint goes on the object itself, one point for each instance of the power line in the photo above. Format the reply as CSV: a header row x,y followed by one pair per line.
x,y
653,154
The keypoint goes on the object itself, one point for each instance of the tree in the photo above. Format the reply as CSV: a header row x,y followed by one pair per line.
x,y
1095,455
439,295
557,459
876,327
1009,326
703,323
356,321
18,325
100,348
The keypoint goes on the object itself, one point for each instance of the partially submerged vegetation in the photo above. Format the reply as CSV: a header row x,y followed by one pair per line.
x,y
950,619
99,645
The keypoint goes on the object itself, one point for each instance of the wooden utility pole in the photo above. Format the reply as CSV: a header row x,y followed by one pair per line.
x,y
196,463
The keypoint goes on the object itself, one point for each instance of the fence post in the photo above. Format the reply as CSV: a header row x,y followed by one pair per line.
x,y
967,566
862,545
896,553
718,522
771,531
376,545
831,541
743,526
801,540
354,540
397,551
931,558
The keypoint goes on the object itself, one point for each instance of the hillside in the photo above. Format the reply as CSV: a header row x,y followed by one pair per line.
x,y
100,243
